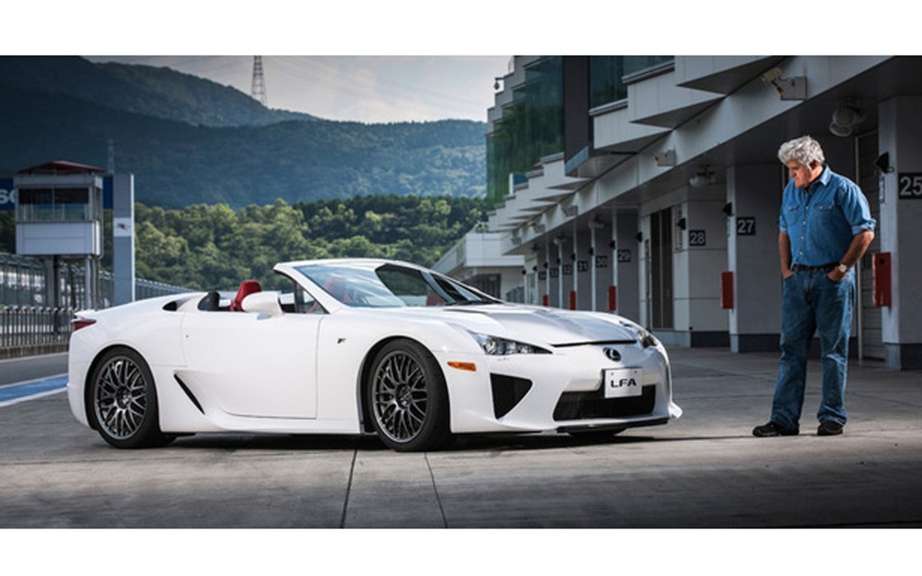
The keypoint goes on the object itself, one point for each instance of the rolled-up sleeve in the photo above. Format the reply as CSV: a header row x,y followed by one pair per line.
x,y
855,208
782,225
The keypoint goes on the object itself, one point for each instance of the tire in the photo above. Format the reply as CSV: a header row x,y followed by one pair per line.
x,y
406,398
122,401
596,435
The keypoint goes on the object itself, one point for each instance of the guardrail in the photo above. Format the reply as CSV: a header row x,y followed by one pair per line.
x,y
30,330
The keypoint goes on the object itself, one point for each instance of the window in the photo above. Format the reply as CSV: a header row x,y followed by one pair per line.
x,y
297,300
606,73
390,286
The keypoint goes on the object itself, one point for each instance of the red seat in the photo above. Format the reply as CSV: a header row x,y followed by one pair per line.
x,y
247,287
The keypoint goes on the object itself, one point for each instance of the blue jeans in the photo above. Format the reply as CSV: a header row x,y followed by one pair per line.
x,y
813,302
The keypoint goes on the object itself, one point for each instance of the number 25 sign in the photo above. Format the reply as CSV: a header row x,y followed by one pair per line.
x,y
909,185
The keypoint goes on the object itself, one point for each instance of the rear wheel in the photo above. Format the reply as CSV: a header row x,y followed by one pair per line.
x,y
407,397
124,401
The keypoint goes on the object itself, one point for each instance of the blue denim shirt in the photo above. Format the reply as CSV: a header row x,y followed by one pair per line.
x,y
822,219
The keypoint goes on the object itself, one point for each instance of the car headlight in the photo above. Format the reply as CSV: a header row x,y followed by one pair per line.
x,y
643,335
496,346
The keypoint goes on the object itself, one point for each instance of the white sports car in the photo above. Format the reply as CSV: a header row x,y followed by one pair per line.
x,y
356,346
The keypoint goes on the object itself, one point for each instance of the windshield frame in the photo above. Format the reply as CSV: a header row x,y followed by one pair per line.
x,y
430,277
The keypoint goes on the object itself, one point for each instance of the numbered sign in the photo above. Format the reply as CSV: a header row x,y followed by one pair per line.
x,y
624,255
909,186
542,275
745,226
582,266
697,238
555,272
601,261
568,269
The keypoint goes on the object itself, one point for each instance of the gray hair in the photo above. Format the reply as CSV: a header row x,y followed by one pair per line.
x,y
804,150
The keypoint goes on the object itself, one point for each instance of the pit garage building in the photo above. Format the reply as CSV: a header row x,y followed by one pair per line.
x,y
649,186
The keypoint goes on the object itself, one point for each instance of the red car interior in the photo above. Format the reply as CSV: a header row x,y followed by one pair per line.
x,y
247,287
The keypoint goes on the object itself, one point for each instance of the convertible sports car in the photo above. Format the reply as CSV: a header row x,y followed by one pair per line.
x,y
356,346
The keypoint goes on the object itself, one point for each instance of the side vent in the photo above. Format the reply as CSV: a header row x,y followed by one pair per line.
x,y
508,391
189,393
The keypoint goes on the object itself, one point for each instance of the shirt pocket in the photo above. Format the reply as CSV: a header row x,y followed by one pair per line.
x,y
825,214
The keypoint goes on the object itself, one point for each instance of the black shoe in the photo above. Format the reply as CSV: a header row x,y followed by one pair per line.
x,y
829,428
772,429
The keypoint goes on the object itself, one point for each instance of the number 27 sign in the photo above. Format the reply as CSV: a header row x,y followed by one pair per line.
x,y
909,185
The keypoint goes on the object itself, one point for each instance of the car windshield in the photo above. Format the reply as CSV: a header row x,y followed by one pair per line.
x,y
390,286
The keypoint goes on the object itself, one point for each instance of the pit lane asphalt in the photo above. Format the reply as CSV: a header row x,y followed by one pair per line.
x,y
704,470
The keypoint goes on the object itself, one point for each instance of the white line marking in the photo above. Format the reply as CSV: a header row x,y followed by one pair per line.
x,y
32,397
33,357
33,380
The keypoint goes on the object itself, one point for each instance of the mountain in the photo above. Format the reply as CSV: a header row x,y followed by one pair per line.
x,y
161,92
177,164
180,136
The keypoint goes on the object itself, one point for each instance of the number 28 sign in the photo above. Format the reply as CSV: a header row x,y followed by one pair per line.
x,y
909,185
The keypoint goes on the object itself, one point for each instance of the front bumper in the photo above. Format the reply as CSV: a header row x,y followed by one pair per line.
x,y
565,390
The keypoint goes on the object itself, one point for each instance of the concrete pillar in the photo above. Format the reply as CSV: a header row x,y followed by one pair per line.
x,y
553,273
900,119
565,283
582,273
123,269
696,269
625,263
755,193
600,263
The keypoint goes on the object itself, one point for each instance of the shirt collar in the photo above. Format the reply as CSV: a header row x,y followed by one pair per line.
x,y
823,179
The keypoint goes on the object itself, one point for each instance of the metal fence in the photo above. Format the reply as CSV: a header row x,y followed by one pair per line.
x,y
28,330
30,324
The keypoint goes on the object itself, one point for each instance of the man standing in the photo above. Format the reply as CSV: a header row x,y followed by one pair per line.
x,y
825,227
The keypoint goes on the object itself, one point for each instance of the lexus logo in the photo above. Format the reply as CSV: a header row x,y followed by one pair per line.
x,y
612,353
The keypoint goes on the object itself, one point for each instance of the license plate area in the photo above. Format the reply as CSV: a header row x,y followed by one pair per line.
x,y
622,382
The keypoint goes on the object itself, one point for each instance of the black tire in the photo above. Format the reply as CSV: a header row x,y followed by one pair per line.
x,y
423,429
596,435
122,401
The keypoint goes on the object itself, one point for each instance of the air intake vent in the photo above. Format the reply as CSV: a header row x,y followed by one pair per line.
x,y
508,391
189,393
589,405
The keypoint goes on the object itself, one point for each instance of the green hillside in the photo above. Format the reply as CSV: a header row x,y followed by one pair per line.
x,y
68,108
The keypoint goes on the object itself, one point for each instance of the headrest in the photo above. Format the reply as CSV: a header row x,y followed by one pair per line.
x,y
247,287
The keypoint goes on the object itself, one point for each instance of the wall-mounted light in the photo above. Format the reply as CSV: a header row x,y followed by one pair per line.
x,y
611,244
573,256
883,163
704,177
728,209
793,88
591,251
639,237
844,120
534,268
665,159
681,223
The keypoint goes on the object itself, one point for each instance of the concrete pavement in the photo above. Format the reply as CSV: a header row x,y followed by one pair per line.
x,y
703,471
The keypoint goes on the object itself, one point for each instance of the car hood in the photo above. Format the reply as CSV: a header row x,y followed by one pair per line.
x,y
530,324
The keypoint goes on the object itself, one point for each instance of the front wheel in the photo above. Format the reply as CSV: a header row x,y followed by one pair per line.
x,y
124,401
407,397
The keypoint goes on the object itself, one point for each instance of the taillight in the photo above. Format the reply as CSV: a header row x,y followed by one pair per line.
x,y
79,323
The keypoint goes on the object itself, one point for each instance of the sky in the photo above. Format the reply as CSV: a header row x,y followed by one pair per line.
x,y
359,88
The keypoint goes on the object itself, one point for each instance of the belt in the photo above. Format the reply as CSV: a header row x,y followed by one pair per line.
x,y
823,267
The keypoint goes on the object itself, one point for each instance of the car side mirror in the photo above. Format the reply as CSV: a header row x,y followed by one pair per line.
x,y
263,303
